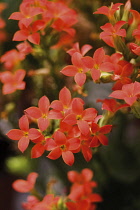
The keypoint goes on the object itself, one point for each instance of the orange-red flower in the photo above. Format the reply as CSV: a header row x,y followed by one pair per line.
x,y
81,189
26,16
129,93
49,202
111,105
98,134
108,11
80,116
21,134
62,146
12,81
78,69
11,59
40,113
111,32
24,186
84,49
29,33
98,63
123,71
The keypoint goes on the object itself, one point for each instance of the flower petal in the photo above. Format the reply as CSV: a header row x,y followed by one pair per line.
x,y
65,96
80,78
59,138
43,123
55,153
15,134
24,123
69,70
23,143
68,157
83,127
33,112
37,150
44,104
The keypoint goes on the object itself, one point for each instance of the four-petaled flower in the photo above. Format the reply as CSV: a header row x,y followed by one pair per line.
x,y
98,134
78,69
98,63
40,113
129,93
21,134
112,32
62,146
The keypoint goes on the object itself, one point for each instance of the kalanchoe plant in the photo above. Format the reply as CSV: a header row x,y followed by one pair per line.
x,y
65,126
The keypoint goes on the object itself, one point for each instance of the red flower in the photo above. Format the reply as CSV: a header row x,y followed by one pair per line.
x,y
129,93
136,18
49,202
63,105
80,116
40,146
31,202
97,64
21,134
26,16
62,146
98,134
24,186
29,33
134,48
111,32
41,113
78,70
108,11
76,48
13,82
24,48
11,59
111,105
59,11
82,186
121,74
136,33
78,205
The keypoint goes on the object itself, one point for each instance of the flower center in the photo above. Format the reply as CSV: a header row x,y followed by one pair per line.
x,y
63,147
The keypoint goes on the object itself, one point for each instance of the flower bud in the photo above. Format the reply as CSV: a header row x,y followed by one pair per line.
x,y
127,8
106,77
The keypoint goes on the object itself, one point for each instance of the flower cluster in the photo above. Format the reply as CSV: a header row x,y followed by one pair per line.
x,y
42,19
122,67
41,15
81,193
77,129
66,126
